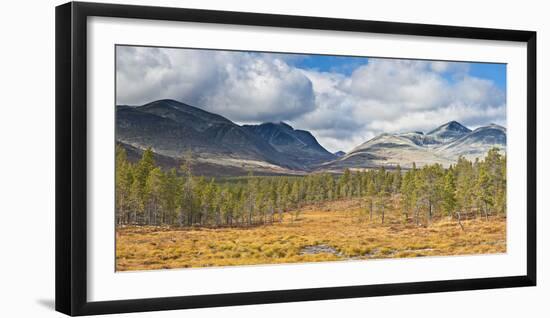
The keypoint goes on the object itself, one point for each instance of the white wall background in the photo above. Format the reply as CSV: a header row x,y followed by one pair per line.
x,y
27,159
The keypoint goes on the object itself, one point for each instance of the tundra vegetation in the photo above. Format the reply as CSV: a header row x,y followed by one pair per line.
x,y
174,219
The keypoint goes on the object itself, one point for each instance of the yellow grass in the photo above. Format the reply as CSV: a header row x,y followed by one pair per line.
x,y
330,232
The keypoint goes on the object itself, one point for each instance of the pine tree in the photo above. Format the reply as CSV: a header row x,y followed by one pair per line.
x,y
252,187
407,193
448,194
143,168
484,191
417,196
382,203
171,193
124,177
344,184
500,200
371,194
295,197
397,179
153,191
464,185
187,200
380,180
495,164
261,204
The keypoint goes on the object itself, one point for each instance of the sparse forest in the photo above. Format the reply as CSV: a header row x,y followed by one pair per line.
x,y
148,195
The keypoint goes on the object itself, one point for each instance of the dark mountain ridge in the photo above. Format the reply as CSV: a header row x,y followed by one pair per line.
x,y
299,145
449,131
172,128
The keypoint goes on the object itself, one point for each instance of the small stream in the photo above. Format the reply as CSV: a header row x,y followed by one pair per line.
x,y
319,249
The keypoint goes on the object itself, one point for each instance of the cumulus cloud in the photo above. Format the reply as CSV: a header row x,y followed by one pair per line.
x,y
342,111
389,95
245,87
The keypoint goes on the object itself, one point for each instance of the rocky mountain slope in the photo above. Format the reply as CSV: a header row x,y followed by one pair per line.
x,y
298,145
476,143
448,132
442,145
173,129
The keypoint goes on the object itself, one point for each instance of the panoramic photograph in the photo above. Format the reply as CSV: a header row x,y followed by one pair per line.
x,y
233,158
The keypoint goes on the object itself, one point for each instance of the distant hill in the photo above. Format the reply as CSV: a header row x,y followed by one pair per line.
x,y
442,145
298,145
476,143
339,153
173,129
448,132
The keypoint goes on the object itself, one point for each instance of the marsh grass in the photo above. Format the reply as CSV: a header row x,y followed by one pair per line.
x,y
337,225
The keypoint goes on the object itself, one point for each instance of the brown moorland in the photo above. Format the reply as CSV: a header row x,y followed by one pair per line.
x,y
332,231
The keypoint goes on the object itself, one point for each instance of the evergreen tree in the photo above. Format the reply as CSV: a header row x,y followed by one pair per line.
x,y
371,195
483,190
448,194
124,177
464,185
407,193
295,197
148,195
500,199
418,196
187,200
153,192
432,185
382,203
344,184
171,193
397,179
143,168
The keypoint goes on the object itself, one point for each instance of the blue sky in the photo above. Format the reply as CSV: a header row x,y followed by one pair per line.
x,y
327,63
492,71
495,72
342,101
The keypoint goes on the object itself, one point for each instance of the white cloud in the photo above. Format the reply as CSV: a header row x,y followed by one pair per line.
x,y
389,95
385,95
244,87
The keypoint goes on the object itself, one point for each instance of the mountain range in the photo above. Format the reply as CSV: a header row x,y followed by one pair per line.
x,y
443,145
172,129
221,147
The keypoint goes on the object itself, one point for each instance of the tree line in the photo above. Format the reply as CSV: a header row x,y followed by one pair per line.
x,y
149,195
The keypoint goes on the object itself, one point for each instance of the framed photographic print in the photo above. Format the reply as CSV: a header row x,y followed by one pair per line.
x,y
209,158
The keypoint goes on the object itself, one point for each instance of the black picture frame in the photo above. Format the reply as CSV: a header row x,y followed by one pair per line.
x,y
71,157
